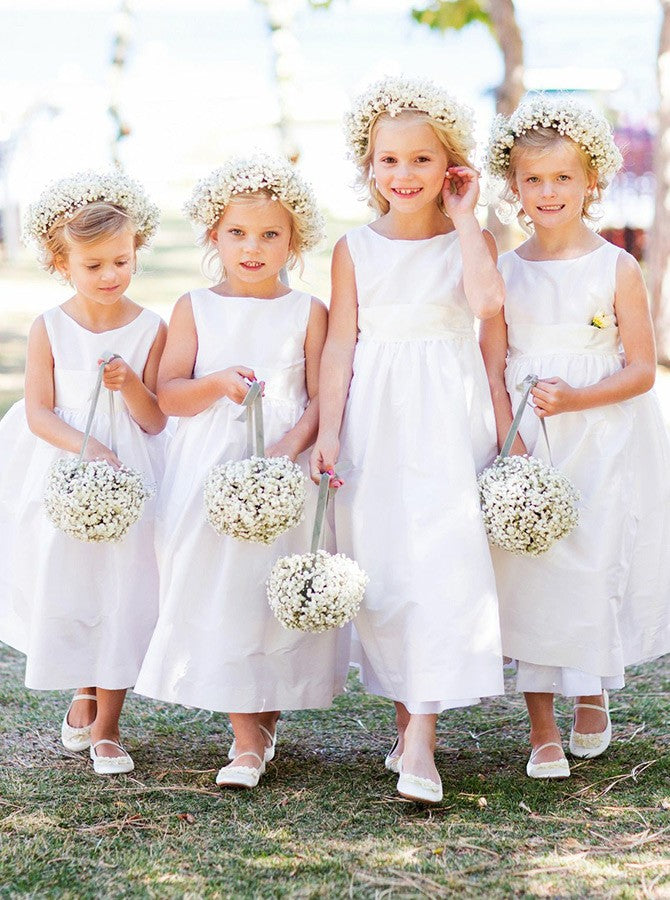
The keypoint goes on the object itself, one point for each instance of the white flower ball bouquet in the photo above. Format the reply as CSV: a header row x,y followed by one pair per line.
x,y
316,591
89,499
527,505
258,498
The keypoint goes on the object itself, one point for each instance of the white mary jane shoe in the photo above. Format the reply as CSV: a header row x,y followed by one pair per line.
x,y
421,790
556,768
241,776
392,761
270,749
76,739
586,746
111,765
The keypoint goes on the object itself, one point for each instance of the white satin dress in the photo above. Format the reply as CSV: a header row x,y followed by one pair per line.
x,y
598,600
217,644
82,613
417,428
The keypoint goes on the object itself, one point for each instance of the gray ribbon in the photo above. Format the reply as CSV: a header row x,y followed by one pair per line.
x,y
321,507
253,413
530,381
94,403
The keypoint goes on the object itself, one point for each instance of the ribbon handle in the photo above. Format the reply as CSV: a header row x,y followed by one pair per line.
x,y
321,507
253,413
94,403
530,381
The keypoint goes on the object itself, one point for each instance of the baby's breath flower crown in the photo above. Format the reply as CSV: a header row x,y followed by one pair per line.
x,y
63,199
248,175
394,95
587,128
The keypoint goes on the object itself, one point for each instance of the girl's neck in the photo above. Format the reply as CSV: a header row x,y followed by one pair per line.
x,y
271,289
416,226
567,243
97,317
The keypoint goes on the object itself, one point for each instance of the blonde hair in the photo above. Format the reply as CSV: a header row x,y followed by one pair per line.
x,y
95,222
212,266
457,155
543,140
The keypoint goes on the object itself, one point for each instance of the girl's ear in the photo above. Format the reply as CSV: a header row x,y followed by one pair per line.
x,y
61,266
213,234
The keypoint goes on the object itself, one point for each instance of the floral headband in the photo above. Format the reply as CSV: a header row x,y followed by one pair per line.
x,y
585,127
248,175
394,95
63,199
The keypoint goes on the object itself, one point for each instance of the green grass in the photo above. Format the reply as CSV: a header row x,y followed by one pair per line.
x,y
325,821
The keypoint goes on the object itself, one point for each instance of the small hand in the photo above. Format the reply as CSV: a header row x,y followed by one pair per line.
x,y
553,396
116,374
234,382
282,448
460,190
323,458
96,450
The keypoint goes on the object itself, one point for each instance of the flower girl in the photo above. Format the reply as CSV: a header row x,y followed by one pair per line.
x,y
402,364
83,613
217,644
576,315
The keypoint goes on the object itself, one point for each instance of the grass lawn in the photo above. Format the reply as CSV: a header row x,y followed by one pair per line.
x,y
325,821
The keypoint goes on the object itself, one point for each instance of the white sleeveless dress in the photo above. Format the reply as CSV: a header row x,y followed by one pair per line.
x,y
217,644
599,599
418,426
82,613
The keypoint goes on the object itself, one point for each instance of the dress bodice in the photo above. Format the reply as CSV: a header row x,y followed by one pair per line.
x,y
265,335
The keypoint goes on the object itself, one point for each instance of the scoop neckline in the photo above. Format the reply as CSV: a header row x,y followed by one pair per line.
x,y
255,299
410,240
107,330
568,259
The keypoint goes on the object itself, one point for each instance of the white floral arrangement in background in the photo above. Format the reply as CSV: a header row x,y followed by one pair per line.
x,y
316,591
602,319
63,199
527,505
255,499
92,501
394,95
248,175
585,127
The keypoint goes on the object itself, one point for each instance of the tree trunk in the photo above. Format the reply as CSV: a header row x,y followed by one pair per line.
x,y
658,255
509,93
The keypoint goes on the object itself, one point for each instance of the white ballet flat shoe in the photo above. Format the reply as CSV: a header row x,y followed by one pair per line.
x,y
586,746
111,765
269,752
421,790
241,776
556,768
76,739
392,761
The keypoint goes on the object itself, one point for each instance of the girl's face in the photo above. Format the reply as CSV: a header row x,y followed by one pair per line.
x,y
101,271
253,239
552,184
408,163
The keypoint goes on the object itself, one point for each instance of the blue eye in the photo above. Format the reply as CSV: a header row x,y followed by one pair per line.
x,y
271,234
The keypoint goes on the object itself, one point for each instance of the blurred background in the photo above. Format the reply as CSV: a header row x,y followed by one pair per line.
x,y
166,89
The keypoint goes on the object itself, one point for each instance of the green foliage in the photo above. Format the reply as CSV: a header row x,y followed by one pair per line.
x,y
442,15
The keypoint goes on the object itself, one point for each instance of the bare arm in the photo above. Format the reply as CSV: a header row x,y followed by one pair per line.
x,y
337,360
553,395
179,393
482,282
139,393
40,399
302,435
493,343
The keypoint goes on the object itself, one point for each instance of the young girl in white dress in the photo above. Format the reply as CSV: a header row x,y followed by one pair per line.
x,y
402,366
217,644
576,315
83,613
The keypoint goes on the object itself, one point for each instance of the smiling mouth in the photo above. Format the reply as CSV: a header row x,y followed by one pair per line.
x,y
253,266
554,207
406,192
